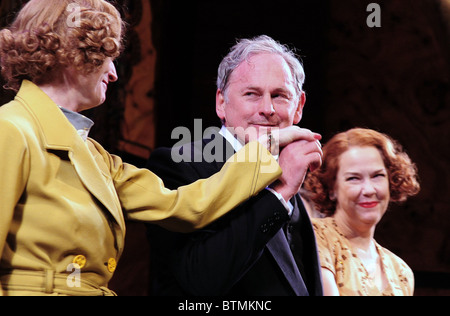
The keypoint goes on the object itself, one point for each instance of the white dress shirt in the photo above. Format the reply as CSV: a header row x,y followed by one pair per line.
x,y
237,145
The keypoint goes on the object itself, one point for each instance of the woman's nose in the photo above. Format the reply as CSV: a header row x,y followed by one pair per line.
x,y
112,73
368,188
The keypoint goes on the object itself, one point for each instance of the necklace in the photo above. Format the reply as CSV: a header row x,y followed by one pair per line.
x,y
370,260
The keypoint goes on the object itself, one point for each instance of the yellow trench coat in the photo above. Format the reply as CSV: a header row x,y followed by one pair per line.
x,y
63,201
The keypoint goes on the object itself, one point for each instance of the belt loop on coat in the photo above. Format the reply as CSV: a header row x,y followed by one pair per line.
x,y
49,280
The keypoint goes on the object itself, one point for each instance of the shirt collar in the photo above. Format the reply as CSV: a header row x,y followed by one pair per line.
x,y
81,123
237,145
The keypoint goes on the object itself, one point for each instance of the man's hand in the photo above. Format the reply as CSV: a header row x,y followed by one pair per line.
x,y
276,139
301,151
294,133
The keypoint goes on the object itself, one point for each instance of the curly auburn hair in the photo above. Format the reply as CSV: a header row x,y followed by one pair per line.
x,y
402,172
47,36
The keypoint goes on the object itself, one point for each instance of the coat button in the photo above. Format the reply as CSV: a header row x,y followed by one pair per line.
x,y
111,265
79,260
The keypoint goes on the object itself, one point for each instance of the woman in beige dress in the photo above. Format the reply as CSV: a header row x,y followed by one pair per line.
x,y
363,171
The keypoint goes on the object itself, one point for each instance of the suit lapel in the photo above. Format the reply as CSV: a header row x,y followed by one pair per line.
x,y
222,145
280,250
278,246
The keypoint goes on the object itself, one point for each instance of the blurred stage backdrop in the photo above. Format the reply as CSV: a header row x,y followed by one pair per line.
x,y
393,78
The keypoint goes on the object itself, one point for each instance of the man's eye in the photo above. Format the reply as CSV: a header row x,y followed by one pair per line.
x,y
281,97
251,94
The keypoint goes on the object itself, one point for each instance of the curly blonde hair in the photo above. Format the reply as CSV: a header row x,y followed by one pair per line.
x,y
47,36
402,172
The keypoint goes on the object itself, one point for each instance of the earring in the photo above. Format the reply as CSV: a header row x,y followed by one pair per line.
x,y
332,196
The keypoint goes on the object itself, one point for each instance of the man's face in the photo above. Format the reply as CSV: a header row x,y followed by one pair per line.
x,y
261,95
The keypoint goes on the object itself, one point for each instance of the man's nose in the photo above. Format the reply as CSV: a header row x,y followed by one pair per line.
x,y
266,106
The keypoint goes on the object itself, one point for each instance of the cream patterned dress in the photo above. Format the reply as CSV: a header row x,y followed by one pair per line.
x,y
352,278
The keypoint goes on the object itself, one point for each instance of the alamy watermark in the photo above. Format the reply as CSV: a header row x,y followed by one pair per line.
x,y
74,18
74,278
216,150
374,18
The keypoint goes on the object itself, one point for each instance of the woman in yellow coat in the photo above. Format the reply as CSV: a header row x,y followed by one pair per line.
x,y
63,198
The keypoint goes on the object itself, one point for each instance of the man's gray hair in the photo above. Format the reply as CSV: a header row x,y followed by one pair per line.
x,y
246,48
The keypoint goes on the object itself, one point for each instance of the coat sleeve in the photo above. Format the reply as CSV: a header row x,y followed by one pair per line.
x,y
212,260
144,198
14,166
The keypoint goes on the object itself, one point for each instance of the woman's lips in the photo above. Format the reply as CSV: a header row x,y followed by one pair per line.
x,y
368,204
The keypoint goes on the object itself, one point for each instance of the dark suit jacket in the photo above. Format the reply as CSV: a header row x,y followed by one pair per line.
x,y
254,250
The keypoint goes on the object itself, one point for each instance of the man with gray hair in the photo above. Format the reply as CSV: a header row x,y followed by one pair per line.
x,y
266,246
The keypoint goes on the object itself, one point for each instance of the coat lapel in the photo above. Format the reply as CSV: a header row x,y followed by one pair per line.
x,y
59,134
93,173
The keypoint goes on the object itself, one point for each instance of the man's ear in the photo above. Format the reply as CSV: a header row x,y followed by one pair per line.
x,y
299,111
220,105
